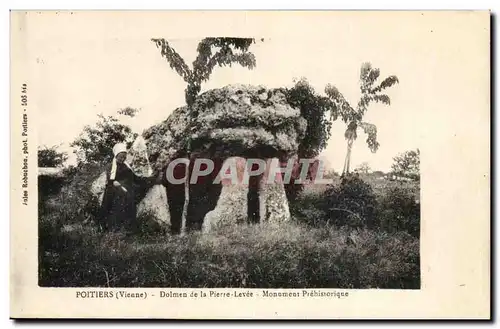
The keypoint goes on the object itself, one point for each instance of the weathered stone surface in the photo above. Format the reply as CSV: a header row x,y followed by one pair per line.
x,y
51,172
236,118
98,186
232,205
233,121
272,195
138,158
155,206
231,208
274,203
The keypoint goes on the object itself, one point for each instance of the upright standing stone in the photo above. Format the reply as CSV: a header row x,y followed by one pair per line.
x,y
154,206
98,186
231,208
272,196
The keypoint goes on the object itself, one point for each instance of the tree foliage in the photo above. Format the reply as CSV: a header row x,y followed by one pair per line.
x,y
353,117
95,144
352,203
221,51
51,157
399,210
363,168
212,52
315,109
407,165
232,120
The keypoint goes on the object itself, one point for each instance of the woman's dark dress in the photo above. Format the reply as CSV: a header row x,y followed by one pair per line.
x,y
119,208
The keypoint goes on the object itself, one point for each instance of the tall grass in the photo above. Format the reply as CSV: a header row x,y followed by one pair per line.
x,y
307,252
288,255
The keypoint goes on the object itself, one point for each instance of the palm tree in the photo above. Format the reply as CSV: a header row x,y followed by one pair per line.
x,y
211,52
354,117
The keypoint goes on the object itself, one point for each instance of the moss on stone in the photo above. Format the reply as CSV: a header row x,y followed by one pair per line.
x,y
236,117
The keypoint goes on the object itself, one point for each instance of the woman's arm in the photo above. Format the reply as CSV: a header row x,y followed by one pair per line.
x,y
148,181
112,181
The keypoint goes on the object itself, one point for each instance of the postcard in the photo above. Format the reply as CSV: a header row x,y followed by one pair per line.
x,y
250,164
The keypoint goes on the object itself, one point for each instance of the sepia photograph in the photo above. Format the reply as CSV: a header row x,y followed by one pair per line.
x,y
113,218
279,157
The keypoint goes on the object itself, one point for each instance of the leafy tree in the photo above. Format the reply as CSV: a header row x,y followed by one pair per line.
x,y
354,117
95,144
363,168
399,210
407,165
314,108
51,157
212,52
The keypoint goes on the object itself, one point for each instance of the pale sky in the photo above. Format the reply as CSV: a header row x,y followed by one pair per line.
x,y
83,67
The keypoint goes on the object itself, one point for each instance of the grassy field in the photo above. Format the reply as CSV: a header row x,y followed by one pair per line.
x,y
75,253
265,256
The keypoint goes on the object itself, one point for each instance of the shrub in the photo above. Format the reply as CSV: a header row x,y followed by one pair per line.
x,y
50,186
95,144
352,203
51,157
74,202
400,211
308,205
386,206
308,208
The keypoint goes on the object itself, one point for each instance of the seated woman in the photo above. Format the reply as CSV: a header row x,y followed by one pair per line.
x,y
118,209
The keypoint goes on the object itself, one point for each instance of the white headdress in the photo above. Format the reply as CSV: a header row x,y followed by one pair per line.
x,y
118,148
